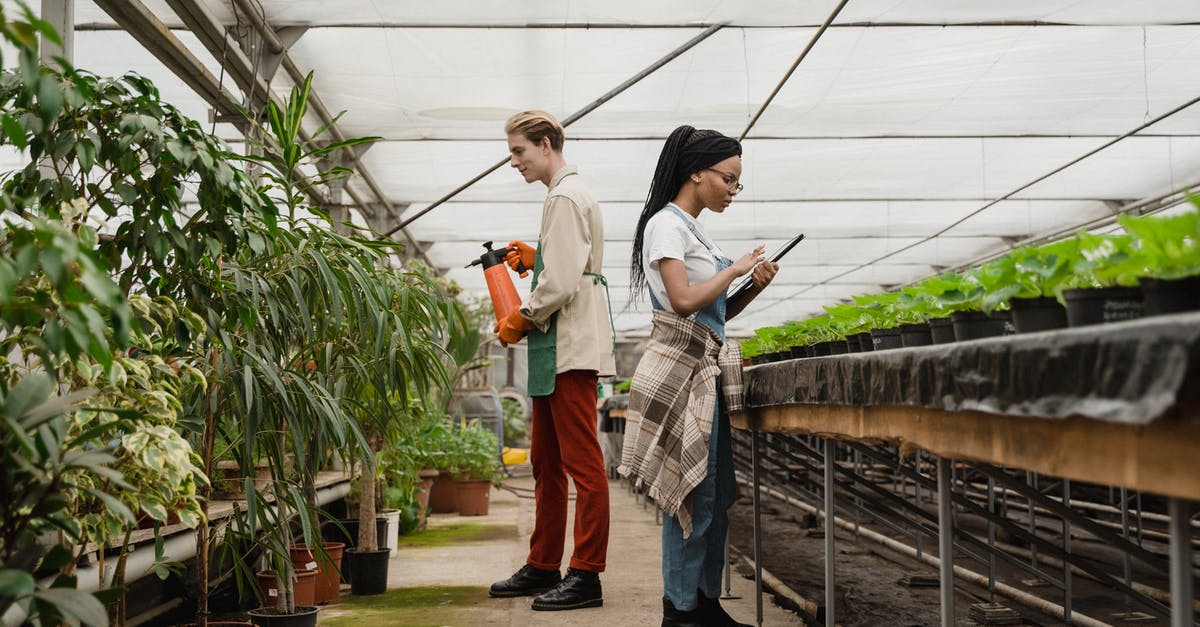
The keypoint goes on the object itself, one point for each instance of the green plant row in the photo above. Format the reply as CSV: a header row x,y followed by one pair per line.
x,y
1165,247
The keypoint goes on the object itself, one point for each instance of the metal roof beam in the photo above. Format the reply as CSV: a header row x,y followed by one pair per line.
x,y
612,93
279,47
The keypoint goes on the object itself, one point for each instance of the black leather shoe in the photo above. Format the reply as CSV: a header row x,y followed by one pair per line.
x,y
528,581
578,589
680,618
713,615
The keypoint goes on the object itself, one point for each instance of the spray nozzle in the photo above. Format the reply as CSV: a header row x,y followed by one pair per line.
x,y
496,256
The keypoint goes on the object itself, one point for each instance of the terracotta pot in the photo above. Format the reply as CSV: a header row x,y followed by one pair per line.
x,y
329,569
304,590
441,495
427,476
472,497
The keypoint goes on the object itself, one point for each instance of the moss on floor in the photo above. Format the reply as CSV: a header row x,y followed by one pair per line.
x,y
427,606
456,534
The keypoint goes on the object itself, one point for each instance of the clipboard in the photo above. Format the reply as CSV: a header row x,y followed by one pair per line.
x,y
748,282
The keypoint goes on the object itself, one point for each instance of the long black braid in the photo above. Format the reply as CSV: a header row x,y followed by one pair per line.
x,y
687,150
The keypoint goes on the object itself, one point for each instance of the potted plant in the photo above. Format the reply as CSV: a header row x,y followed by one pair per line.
x,y
1103,284
1166,255
1030,279
475,463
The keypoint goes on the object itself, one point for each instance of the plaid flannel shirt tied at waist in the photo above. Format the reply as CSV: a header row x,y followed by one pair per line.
x,y
672,401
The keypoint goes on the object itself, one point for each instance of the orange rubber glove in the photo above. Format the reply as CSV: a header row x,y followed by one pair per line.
x,y
512,328
524,255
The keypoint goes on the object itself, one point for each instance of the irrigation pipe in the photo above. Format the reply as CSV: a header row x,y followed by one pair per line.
x,y
1024,598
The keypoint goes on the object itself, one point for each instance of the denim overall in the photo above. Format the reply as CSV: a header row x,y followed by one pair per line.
x,y
697,562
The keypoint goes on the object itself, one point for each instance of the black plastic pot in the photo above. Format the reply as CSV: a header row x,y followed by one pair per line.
x,y
973,325
1037,314
350,538
865,343
941,330
1096,305
852,344
370,571
1164,296
800,352
838,347
884,339
820,349
915,335
305,616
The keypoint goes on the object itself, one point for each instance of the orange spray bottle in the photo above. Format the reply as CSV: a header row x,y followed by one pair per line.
x,y
500,285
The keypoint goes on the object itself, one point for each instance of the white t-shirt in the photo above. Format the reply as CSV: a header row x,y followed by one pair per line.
x,y
667,237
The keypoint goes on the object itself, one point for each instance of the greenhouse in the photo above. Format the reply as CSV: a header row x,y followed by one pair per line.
x,y
853,312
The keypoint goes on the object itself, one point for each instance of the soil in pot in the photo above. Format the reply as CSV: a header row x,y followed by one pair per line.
x,y
1038,314
883,339
1164,296
915,335
369,571
305,616
973,325
1102,304
472,497
941,330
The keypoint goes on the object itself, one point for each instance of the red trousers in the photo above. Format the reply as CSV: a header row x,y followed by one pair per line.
x,y
564,442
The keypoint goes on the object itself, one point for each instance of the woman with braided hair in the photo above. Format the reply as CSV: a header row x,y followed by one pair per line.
x,y
677,436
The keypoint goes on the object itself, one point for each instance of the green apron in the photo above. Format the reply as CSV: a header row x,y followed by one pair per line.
x,y
542,363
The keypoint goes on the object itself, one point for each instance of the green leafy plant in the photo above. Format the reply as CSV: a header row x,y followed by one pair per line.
x,y
476,454
516,427
1165,247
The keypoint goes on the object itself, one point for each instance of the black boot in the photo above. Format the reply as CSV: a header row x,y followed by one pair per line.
x,y
713,615
681,618
578,589
528,581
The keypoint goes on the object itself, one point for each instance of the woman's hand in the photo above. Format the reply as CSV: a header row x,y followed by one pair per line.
x,y
747,261
763,274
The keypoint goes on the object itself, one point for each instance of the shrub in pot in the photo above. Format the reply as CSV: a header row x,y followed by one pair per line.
x,y
1103,286
476,466
1166,256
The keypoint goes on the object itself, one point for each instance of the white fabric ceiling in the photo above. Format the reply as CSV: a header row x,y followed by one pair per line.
x,y
906,118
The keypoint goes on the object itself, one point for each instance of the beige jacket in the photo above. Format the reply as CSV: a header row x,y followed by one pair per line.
x,y
572,240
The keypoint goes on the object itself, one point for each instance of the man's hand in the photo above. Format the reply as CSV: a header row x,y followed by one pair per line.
x,y
512,328
521,259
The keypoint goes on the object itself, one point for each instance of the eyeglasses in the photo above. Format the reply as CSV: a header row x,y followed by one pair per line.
x,y
731,180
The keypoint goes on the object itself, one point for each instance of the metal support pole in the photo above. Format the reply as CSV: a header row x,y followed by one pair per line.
x,y
61,15
1125,565
991,535
857,499
728,570
830,528
1066,527
945,542
756,461
917,483
1031,479
1181,562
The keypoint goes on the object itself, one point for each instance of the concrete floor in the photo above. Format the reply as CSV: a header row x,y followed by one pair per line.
x,y
461,571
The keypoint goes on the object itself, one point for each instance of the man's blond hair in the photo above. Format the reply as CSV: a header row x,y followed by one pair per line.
x,y
534,125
